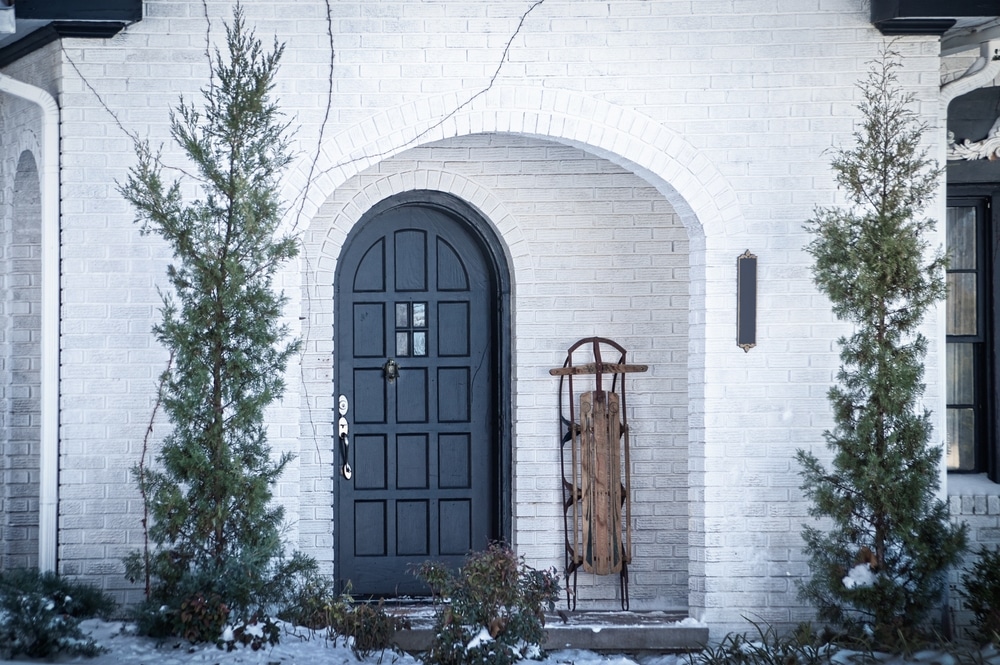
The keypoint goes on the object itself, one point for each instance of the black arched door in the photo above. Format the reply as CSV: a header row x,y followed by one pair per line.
x,y
416,360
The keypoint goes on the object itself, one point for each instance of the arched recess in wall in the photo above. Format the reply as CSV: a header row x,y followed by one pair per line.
x,y
22,369
690,182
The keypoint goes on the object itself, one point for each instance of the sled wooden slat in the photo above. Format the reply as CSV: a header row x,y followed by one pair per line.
x,y
602,487
598,368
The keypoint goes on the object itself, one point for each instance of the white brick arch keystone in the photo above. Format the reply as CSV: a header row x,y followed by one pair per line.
x,y
692,184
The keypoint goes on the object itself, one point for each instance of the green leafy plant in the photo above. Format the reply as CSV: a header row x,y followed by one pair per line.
x,y
980,593
880,568
491,611
215,530
40,614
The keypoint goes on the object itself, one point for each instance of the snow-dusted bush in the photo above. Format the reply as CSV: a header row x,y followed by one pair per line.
x,y
491,611
40,615
365,627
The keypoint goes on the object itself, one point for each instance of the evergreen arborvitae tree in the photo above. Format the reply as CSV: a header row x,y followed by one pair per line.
x,y
216,533
881,565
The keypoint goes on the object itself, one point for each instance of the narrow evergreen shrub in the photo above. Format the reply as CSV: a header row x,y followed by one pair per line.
x,y
214,530
40,615
980,592
880,568
491,611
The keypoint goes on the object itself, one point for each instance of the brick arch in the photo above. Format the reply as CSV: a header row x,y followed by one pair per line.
x,y
696,189
346,214
698,192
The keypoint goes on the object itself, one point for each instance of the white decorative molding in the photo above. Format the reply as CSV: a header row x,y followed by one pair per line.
x,y
988,148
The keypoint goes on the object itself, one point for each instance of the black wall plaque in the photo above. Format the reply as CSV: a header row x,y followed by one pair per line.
x,y
746,301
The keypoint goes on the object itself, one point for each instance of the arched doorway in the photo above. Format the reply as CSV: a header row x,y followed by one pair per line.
x,y
21,365
421,361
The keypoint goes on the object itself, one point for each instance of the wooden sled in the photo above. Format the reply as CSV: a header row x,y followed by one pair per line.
x,y
596,474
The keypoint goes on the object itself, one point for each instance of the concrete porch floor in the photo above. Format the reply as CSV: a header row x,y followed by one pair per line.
x,y
608,632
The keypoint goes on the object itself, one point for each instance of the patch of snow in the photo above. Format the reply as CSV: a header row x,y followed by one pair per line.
x,y
531,651
580,657
859,576
254,629
481,638
692,623
300,646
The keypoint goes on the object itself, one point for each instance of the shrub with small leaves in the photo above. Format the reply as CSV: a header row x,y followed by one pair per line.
x,y
981,593
369,629
201,617
40,614
313,602
491,611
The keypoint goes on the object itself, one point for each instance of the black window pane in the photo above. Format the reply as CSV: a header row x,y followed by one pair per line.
x,y
962,238
962,304
961,440
961,374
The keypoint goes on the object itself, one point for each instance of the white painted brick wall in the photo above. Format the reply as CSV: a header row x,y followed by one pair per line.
x,y
677,134
975,502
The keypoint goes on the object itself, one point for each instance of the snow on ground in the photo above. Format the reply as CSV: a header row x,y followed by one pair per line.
x,y
303,647
299,648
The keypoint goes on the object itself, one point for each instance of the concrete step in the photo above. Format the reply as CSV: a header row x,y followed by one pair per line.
x,y
608,632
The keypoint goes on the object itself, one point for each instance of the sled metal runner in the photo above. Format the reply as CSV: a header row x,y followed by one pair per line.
x,y
596,471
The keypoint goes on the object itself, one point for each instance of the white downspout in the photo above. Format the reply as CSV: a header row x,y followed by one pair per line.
x,y
982,71
48,461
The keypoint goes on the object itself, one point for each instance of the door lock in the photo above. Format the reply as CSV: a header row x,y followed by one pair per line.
x,y
391,370
345,442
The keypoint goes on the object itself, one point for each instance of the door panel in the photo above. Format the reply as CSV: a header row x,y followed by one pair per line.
x,y
413,285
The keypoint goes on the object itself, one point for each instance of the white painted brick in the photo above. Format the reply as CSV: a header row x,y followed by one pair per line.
x,y
725,112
